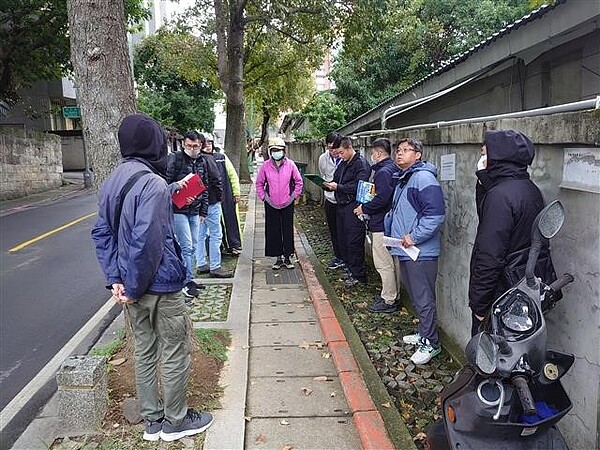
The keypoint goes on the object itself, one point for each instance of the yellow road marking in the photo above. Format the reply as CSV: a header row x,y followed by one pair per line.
x,y
50,233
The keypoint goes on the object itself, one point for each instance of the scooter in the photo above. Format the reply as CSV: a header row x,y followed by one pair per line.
x,y
509,395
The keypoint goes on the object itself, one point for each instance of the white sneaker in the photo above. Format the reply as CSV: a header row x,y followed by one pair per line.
x,y
425,352
412,339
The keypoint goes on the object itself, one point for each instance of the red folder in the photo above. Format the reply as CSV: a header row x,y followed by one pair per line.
x,y
194,188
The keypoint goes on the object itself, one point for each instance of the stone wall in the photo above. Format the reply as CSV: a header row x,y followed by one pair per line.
x,y
573,326
29,163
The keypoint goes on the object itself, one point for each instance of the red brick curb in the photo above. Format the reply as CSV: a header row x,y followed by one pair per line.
x,y
367,418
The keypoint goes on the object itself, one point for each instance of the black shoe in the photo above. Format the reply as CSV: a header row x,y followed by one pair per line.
x,y
198,285
219,272
201,270
278,264
288,263
193,423
190,290
382,307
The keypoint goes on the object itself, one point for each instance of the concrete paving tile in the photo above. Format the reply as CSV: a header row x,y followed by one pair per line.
x,y
333,433
272,295
290,333
282,312
286,397
283,362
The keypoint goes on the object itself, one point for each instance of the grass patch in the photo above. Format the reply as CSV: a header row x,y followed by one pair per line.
x,y
213,342
110,349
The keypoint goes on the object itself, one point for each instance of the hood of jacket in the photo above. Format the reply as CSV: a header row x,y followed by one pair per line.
x,y
142,137
509,152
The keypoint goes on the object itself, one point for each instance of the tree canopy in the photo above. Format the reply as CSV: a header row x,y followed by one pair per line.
x,y
172,87
384,53
34,43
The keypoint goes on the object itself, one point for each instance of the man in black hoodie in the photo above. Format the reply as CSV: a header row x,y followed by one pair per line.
x,y
507,204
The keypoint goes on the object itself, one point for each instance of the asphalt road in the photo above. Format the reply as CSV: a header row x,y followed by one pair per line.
x,y
49,289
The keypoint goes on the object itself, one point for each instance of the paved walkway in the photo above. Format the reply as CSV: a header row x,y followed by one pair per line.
x,y
290,379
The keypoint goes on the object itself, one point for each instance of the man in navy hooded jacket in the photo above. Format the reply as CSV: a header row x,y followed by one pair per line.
x,y
143,267
507,204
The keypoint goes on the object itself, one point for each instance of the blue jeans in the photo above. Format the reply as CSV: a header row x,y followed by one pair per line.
x,y
186,231
211,228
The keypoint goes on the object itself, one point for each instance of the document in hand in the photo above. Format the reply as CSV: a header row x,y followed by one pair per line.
x,y
412,251
365,191
193,188
315,178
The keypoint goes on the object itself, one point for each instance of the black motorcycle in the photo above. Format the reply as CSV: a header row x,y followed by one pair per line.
x,y
509,395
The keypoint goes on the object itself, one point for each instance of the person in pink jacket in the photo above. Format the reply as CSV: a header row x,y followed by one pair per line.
x,y
278,184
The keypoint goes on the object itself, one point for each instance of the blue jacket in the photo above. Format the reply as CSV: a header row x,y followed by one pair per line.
x,y
384,190
417,210
143,255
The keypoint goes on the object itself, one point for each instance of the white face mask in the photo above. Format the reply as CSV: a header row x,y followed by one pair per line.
x,y
482,163
277,155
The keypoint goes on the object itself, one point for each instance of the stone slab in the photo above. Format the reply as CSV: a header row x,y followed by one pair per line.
x,y
272,295
284,397
325,433
290,334
282,312
290,362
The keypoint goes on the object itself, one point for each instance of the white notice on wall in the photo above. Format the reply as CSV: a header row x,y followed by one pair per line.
x,y
581,169
448,169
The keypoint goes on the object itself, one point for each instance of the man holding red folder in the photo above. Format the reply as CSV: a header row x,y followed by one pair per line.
x,y
193,212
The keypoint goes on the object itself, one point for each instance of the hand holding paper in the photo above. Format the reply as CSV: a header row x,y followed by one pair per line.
x,y
412,251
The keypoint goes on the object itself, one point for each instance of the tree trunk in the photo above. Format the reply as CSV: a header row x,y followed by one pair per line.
x,y
103,77
264,127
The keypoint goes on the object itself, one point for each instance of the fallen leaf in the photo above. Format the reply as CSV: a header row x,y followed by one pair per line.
x,y
420,437
332,394
117,362
307,391
273,289
321,378
304,345
326,355
287,447
260,439
386,405
275,275
247,418
116,425
284,422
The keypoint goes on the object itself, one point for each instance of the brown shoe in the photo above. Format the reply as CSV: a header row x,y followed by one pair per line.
x,y
219,272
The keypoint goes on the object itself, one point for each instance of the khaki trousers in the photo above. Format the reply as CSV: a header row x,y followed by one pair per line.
x,y
385,266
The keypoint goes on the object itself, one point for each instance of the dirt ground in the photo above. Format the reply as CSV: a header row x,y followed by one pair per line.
x,y
117,433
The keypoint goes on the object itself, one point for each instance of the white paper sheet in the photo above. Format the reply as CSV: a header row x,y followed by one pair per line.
x,y
412,251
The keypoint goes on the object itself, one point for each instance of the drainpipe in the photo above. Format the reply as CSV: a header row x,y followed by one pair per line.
x,y
593,103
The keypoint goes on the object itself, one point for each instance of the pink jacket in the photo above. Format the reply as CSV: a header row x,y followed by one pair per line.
x,y
275,183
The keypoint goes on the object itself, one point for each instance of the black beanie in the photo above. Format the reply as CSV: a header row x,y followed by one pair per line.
x,y
141,136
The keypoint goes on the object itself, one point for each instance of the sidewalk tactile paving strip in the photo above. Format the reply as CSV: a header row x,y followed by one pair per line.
x,y
212,305
284,276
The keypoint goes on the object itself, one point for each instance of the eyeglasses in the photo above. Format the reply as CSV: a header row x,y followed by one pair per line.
x,y
192,146
402,151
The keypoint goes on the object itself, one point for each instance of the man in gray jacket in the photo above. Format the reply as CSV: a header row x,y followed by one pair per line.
x,y
142,263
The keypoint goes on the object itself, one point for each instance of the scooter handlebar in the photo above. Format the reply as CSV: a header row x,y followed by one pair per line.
x,y
561,282
520,383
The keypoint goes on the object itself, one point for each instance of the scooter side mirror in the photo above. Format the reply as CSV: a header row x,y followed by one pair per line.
x,y
545,226
482,352
551,219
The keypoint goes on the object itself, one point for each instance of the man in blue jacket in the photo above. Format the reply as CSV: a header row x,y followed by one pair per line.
x,y
136,247
383,169
415,219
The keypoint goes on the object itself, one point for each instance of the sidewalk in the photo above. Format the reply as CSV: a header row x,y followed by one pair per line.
x,y
290,379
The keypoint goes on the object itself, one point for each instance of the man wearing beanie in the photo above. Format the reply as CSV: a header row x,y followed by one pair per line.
x,y
507,204
142,263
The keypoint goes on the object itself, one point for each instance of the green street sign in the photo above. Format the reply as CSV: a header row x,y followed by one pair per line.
x,y
71,112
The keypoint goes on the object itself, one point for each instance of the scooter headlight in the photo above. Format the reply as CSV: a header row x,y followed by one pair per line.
x,y
518,317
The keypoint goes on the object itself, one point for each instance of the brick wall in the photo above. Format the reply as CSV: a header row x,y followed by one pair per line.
x,y
29,163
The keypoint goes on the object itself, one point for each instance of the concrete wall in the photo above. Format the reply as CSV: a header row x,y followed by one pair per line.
x,y
29,163
574,325
72,151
